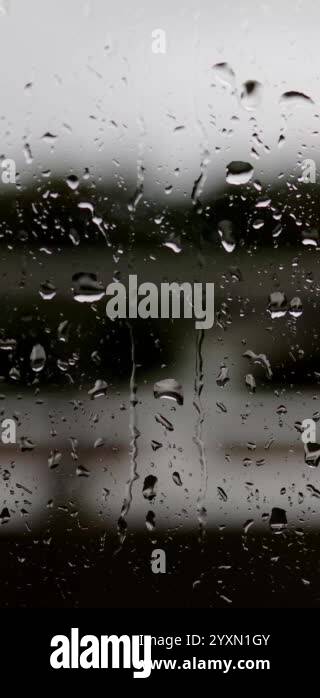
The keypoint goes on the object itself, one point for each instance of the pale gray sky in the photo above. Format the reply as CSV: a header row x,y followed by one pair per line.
x,y
97,86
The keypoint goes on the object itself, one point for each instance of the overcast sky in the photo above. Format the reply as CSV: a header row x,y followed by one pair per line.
x,y
111,101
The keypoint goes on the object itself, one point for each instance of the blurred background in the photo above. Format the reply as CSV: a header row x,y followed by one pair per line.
x,y
167,142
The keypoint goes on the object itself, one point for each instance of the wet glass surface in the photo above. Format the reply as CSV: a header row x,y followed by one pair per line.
x,y
153,463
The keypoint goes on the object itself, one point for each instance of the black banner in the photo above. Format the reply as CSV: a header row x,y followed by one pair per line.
x,y
190,646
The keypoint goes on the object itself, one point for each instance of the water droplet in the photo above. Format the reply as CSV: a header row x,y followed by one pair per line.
x,y
47,291
96,357
223,376
222,494
26,444
99,389
87,288
295,307
4,515
251,94
225,230
239,172
8,344
278,519
164,422
259,359
277,231
250,382
170,389
150,521
37,358
74,237
149,487
63,331
281,409
27,153
81,471
72,182
310,237
48,137
224,74
258,224
312,454
176,478
278,304
156,445
235,274
314,491
174,246
248,525
28,88
54,459
293,98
